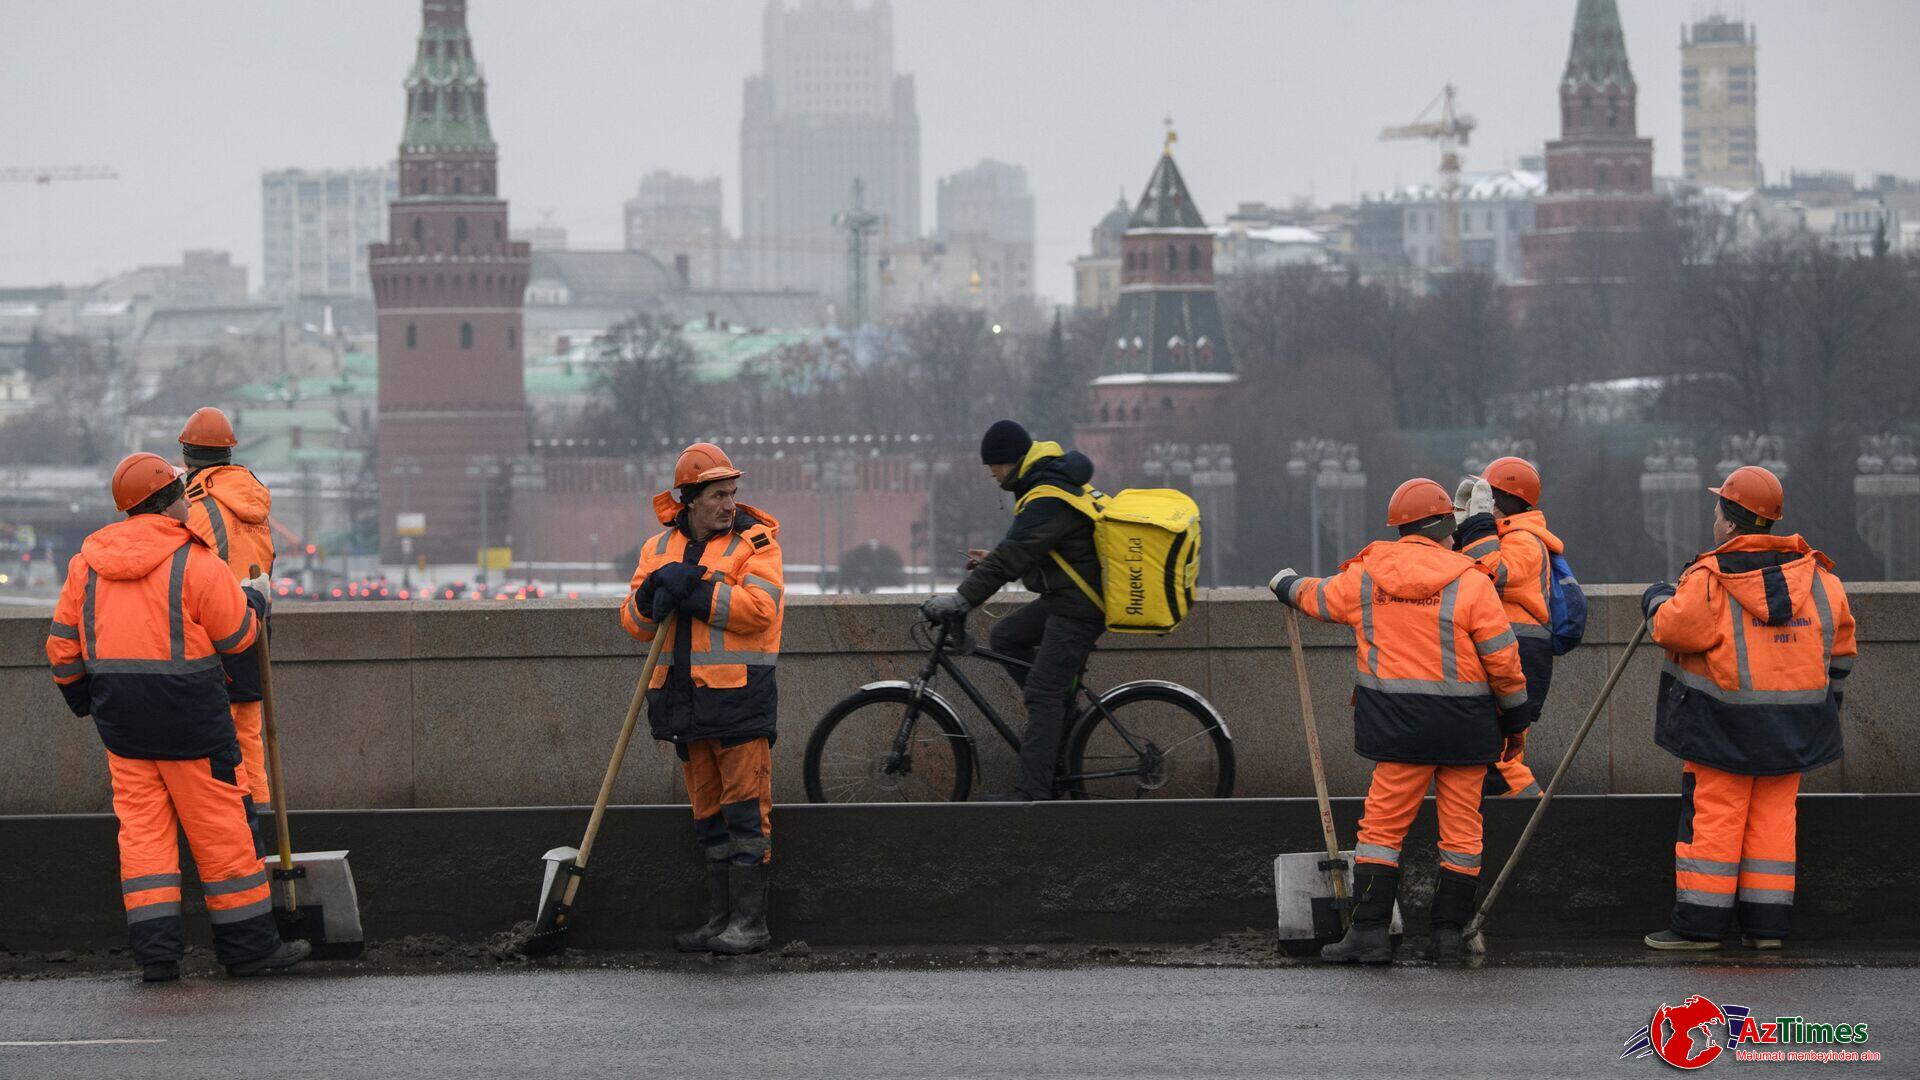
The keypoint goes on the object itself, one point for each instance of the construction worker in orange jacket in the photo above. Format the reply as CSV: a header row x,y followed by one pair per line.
x,y
1760,642
137,635
1502,528
227,508
716,572
1439,690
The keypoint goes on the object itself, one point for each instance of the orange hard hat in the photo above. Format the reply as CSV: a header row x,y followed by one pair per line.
x,y
702,463
1756,489
138,476
1516,477
1417,499
207,427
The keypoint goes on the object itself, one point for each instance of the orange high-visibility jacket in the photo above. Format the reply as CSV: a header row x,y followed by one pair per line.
x,y
1436,663
1759,639
1518,557
715,677
144,613
227,508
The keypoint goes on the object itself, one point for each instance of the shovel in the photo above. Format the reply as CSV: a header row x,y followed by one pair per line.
x,y
1476,941
565,865
1309,915
314,899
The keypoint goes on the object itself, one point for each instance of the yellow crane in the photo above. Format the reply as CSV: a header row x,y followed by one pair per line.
x,y
1451,131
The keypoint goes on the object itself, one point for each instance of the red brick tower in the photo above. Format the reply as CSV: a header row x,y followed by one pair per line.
x,y
448,286
1600,171
1167,363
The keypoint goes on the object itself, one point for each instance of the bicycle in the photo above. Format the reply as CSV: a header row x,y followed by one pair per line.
x,y
902,741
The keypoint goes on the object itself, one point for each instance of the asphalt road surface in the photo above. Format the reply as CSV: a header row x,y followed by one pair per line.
x,y
742,1019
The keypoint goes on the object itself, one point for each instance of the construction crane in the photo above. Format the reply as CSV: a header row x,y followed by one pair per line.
x,y
1451,131
44,176
47,174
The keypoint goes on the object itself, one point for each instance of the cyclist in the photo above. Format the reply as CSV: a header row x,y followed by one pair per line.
x,y
1056,632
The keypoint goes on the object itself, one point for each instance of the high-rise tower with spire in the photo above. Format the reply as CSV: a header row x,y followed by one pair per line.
x,y
448,286
1599,171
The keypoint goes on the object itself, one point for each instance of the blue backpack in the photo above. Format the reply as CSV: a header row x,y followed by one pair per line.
x,y
1566,608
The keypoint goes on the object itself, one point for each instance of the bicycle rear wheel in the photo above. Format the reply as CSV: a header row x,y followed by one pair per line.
x,y
851,758
1174,747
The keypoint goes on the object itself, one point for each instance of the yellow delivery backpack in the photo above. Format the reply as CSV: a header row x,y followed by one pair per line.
x,y
1148,540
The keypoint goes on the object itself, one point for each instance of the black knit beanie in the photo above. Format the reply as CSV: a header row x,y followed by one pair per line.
x,y
1005,443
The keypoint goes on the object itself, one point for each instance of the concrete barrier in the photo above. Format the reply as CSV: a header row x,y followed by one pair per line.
x,y
1601,870
481,703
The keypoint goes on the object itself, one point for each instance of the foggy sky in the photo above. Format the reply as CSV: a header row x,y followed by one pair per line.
x,y
192,100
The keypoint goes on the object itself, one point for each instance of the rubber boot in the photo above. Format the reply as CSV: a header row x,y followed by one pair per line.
x,y
288,954
747,933
162,971
719,911
1367,941
1452,906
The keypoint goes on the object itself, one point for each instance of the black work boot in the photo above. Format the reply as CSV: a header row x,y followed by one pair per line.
x,y
288,954
747,932
160,971
1452,906
1367,941
719,911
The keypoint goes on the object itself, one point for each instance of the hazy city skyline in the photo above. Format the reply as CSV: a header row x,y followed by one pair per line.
x,y
192,102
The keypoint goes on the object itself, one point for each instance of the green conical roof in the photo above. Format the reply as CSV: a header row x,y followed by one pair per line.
x,y
1599,54
1165,204
446,93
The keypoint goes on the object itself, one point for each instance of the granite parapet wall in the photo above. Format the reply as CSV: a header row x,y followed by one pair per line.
x,y
482,703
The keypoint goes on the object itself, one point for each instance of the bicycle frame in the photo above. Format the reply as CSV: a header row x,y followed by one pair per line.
x,y
939,659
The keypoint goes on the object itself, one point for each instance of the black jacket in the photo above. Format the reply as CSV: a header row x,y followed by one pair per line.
x,y
1043,527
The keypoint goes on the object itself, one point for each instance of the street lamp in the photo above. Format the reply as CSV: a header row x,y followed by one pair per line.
x,y
1669,500
1887,500
405,469
1335,467
486,469
529,479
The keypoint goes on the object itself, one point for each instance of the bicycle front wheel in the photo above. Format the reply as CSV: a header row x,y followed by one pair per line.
x,y
868,749
1150,742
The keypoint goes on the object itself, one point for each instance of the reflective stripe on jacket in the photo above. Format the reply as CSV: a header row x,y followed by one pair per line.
x,y
1516,554
227,510
1760,641
144,612
1436,664
715,677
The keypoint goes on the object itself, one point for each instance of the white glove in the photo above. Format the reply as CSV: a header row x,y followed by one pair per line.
x,y
1481,501
262,585
1279,583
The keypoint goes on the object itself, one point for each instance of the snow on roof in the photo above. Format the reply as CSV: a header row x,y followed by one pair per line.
x,y
1510,184
1142,378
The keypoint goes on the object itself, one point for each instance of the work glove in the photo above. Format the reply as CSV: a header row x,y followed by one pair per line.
x,y
1655,594
1480,498
1512,745
1282,583
261,584
945,608
1461,494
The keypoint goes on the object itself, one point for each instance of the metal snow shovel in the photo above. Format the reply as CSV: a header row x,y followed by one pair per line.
x,y
1476,941
1310,915
313,895
566,865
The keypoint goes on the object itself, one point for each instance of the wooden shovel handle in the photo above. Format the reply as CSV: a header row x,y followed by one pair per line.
x,y
619,754
1313,755
270,735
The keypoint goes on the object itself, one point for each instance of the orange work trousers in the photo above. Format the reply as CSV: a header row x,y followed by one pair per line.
x,y
1735,851
253,755
731,789
1394,798
1512,779
156,801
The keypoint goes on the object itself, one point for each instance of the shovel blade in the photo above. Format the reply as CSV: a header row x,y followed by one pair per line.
x,y
1304,902
327,914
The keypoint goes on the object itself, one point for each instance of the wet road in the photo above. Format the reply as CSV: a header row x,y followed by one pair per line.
x,y
738,1020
